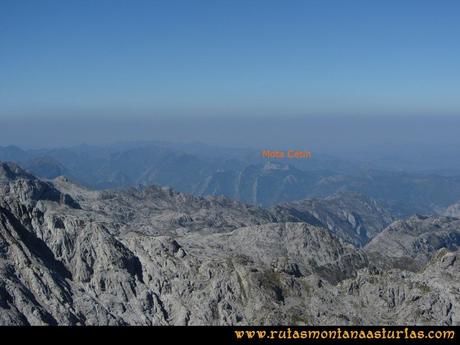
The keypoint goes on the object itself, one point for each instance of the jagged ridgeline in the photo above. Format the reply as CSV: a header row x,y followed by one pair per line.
x,y
153,256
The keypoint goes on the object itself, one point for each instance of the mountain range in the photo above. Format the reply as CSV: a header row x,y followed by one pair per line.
x,y
240,174
149,255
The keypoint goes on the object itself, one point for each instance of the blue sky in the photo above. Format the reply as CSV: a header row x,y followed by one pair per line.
x,y
223,57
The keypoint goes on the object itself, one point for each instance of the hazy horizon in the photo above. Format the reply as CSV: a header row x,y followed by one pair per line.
x,y
428,143
353,79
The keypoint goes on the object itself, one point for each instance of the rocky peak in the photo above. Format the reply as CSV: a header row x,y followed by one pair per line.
x,y
18,185
11,171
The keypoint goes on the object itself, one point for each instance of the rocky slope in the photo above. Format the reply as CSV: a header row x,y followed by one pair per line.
x,y
152,256
453,210
411,243
350,216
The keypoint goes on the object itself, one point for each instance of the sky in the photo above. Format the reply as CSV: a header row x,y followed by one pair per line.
x,y
218,58
357,78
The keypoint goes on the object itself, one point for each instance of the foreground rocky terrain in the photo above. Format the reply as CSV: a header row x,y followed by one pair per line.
x,y
152,256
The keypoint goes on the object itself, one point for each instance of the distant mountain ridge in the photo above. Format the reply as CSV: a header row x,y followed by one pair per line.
x,y
239,174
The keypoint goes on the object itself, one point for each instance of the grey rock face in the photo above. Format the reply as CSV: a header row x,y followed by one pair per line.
x,y
453,211
409,244
395,296
71,256
350,216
